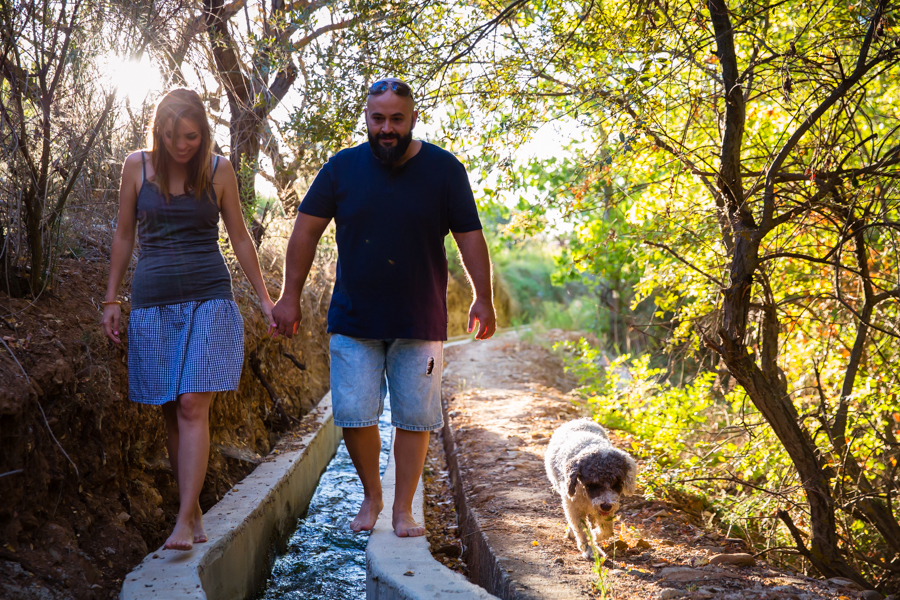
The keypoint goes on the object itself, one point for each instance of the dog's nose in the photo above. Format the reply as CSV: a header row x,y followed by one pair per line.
x,y
605,507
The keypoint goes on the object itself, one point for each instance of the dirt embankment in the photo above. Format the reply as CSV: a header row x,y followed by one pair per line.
x,y
67,533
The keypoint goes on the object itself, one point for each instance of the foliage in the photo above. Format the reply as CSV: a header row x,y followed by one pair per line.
x,y
691,437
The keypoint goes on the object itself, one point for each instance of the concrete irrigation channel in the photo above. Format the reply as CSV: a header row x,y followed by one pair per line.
x,y
260,514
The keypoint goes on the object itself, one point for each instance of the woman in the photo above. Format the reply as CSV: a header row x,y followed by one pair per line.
x,y
185,333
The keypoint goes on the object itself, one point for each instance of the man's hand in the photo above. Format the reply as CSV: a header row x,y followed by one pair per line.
x,y
287,316
483,312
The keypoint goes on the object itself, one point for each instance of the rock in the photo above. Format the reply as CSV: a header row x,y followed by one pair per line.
x,y
669,593
843,583
559,561
617,547
643,545
740,560
871,595
740,541
479,487
682,574
450,550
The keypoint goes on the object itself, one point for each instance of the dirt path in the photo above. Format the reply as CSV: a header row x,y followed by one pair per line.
x,y
505,398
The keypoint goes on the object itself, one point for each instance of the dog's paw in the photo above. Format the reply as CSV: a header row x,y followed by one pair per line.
x,y
587,553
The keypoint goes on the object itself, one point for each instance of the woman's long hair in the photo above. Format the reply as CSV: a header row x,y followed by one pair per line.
x,y
176,105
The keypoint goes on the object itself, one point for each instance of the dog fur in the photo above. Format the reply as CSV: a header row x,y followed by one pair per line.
x,y
591,476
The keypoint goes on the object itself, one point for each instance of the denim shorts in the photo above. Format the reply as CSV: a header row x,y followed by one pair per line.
x,y
358,385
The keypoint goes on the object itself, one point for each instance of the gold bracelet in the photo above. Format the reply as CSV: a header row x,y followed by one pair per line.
x,y
108,302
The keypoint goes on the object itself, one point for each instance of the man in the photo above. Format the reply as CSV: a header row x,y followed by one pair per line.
x,y
393,200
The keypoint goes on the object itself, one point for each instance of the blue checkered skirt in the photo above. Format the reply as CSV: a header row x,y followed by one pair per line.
x,y
182,348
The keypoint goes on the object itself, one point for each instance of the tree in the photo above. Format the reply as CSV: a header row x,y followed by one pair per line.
x,y
46,132
773,228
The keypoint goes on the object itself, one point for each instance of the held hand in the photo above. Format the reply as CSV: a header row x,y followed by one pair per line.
x,y
111,316
483,312
286,316
266,305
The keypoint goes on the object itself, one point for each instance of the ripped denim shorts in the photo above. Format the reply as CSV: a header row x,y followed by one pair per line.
x,y
364,370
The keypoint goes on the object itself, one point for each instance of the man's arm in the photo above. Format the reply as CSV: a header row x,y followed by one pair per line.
x,y
477,263
301,251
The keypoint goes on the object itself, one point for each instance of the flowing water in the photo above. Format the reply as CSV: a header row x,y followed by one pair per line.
x,y
324,559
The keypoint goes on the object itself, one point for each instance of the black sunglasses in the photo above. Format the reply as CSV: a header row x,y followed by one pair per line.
x,y
398,87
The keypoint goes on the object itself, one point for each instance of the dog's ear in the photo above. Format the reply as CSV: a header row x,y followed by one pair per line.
x,y
630,475
573,472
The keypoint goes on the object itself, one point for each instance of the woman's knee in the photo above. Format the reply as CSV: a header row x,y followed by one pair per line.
x,y
194,407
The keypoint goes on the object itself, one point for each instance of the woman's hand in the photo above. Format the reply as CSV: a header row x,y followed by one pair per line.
x,y
267,305
112,314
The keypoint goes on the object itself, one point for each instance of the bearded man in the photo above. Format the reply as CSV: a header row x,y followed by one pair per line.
x,y
393,200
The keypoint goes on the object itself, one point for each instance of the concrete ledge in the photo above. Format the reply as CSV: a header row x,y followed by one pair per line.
x,y
244,526
484,567
403,568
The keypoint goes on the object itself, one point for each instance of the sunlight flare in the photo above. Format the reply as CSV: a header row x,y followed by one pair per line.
x,y
133,80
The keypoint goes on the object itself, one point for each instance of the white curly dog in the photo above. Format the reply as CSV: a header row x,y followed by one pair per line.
x,y
591,476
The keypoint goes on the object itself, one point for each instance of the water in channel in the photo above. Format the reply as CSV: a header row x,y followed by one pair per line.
x,y
324,559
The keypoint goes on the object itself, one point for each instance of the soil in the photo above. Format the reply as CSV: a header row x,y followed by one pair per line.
x,y
85,481
505,397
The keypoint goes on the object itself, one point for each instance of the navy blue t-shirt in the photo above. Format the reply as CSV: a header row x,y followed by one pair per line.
x,y
391,223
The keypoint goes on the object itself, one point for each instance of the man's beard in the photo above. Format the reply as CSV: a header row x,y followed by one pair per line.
x,y
389,155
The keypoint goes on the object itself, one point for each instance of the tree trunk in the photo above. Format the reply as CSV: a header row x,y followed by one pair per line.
x,y
766,390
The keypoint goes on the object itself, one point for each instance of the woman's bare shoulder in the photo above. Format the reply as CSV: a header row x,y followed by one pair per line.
x,y
136,157
135,160
222,162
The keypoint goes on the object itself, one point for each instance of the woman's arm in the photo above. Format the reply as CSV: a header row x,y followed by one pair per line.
x,y
240,238
123,243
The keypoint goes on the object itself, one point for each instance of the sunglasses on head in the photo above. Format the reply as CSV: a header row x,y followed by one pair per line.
x,y
398,87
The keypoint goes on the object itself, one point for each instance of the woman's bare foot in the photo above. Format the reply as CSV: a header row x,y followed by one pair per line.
x,y
181,537
199,531
367,515
406,526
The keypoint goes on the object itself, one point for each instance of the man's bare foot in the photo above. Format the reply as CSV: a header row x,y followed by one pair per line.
x,y
199,531
181,537
367,515
406,526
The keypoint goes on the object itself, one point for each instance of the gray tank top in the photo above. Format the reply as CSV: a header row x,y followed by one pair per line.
x,y
180,260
